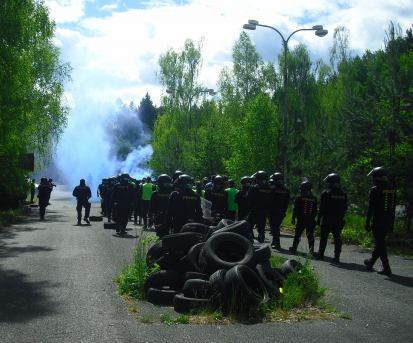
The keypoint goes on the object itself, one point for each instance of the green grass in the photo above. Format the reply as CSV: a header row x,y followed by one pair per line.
x,y
9,215
132,278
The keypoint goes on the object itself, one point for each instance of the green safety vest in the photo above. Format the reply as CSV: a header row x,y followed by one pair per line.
x,y
232,206
147,191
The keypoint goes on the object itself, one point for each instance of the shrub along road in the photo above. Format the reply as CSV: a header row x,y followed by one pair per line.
x,y
56,286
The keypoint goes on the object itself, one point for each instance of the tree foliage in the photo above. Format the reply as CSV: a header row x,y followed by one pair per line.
x,y
33,112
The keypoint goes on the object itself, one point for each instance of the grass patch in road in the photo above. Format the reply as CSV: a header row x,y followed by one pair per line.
x,y
301,298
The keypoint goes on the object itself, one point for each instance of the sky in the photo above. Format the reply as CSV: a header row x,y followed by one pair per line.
x,y
113,47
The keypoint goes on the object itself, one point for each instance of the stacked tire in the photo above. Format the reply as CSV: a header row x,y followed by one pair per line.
x,y
212,267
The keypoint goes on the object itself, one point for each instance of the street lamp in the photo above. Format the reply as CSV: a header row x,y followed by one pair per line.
x,y
320,32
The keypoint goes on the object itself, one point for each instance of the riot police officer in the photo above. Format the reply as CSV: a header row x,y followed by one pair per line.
x,y
280,198
44,196
218,198
241,198
159,204
175,176
259,199
305,210
82,193
333,207
106,194
184,206
99,193
382,207
123,197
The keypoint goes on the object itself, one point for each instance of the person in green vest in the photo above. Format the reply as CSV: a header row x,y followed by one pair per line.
x,y
147,190
232,206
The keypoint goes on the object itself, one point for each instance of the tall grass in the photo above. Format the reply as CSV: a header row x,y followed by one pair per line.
x,y
132,278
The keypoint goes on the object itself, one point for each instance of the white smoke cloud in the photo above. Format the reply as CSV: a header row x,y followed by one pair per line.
x,y
132,165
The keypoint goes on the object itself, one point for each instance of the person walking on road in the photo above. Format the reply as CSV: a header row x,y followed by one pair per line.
x,y
32,190
123,197
82,193
44,196
382,208
333,207
305,210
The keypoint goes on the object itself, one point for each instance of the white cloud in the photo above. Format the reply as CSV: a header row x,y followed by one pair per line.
x,y
116,56
108,7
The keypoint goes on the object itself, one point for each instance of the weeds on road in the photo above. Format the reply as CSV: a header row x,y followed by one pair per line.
x,y
132,278
10,215
301,290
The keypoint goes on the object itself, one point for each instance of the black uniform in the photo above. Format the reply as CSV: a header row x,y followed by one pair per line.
x,y
382,207
138,203
123,196
305,210
280,198
82,194
219,201
157,209
241,200
99,192
333,207
184,207
44,196
106,194
259,199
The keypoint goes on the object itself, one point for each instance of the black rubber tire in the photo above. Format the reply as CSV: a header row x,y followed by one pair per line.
x,y
95,219
181,241
155,252
262,253
197,288
270,278
109,226
196,227
183,304
219,292
244,285
163,278
279,278
170,260
224,223
288,266
194,275
182,266
241,228
161,296
193,257
226,250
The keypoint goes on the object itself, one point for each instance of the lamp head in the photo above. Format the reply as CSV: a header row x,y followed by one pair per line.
x,y
249,27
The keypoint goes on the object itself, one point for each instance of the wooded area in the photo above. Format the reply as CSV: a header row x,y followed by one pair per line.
x,y
345,117
33,112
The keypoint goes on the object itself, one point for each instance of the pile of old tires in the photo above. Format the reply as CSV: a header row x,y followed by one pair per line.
x,y
213,267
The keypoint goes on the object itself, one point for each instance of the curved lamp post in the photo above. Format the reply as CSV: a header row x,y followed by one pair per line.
x,y
320,32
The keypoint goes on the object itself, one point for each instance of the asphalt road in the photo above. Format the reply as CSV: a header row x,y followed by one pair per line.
x,y
56,285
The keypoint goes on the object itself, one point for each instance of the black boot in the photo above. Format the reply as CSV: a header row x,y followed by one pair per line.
x,y
386,269
368,263
336,258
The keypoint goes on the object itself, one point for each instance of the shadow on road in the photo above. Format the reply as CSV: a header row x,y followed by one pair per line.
x,y
401,280
22,300
9,251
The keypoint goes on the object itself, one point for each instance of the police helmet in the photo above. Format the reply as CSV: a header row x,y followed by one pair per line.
x,y
177,174
82,182
164,180
124,176
379,173
43,180
262,177
333,180
184,181
219,180
112,180
277,178
50,179
105,180
231,183
246,180
306,186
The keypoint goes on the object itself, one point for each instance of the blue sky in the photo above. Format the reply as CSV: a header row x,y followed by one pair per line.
x,y
114,45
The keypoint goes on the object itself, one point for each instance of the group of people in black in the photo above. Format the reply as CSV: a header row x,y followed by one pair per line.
x,y
176,201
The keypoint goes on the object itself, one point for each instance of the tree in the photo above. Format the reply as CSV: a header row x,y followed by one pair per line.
x,y
147,111
33,113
